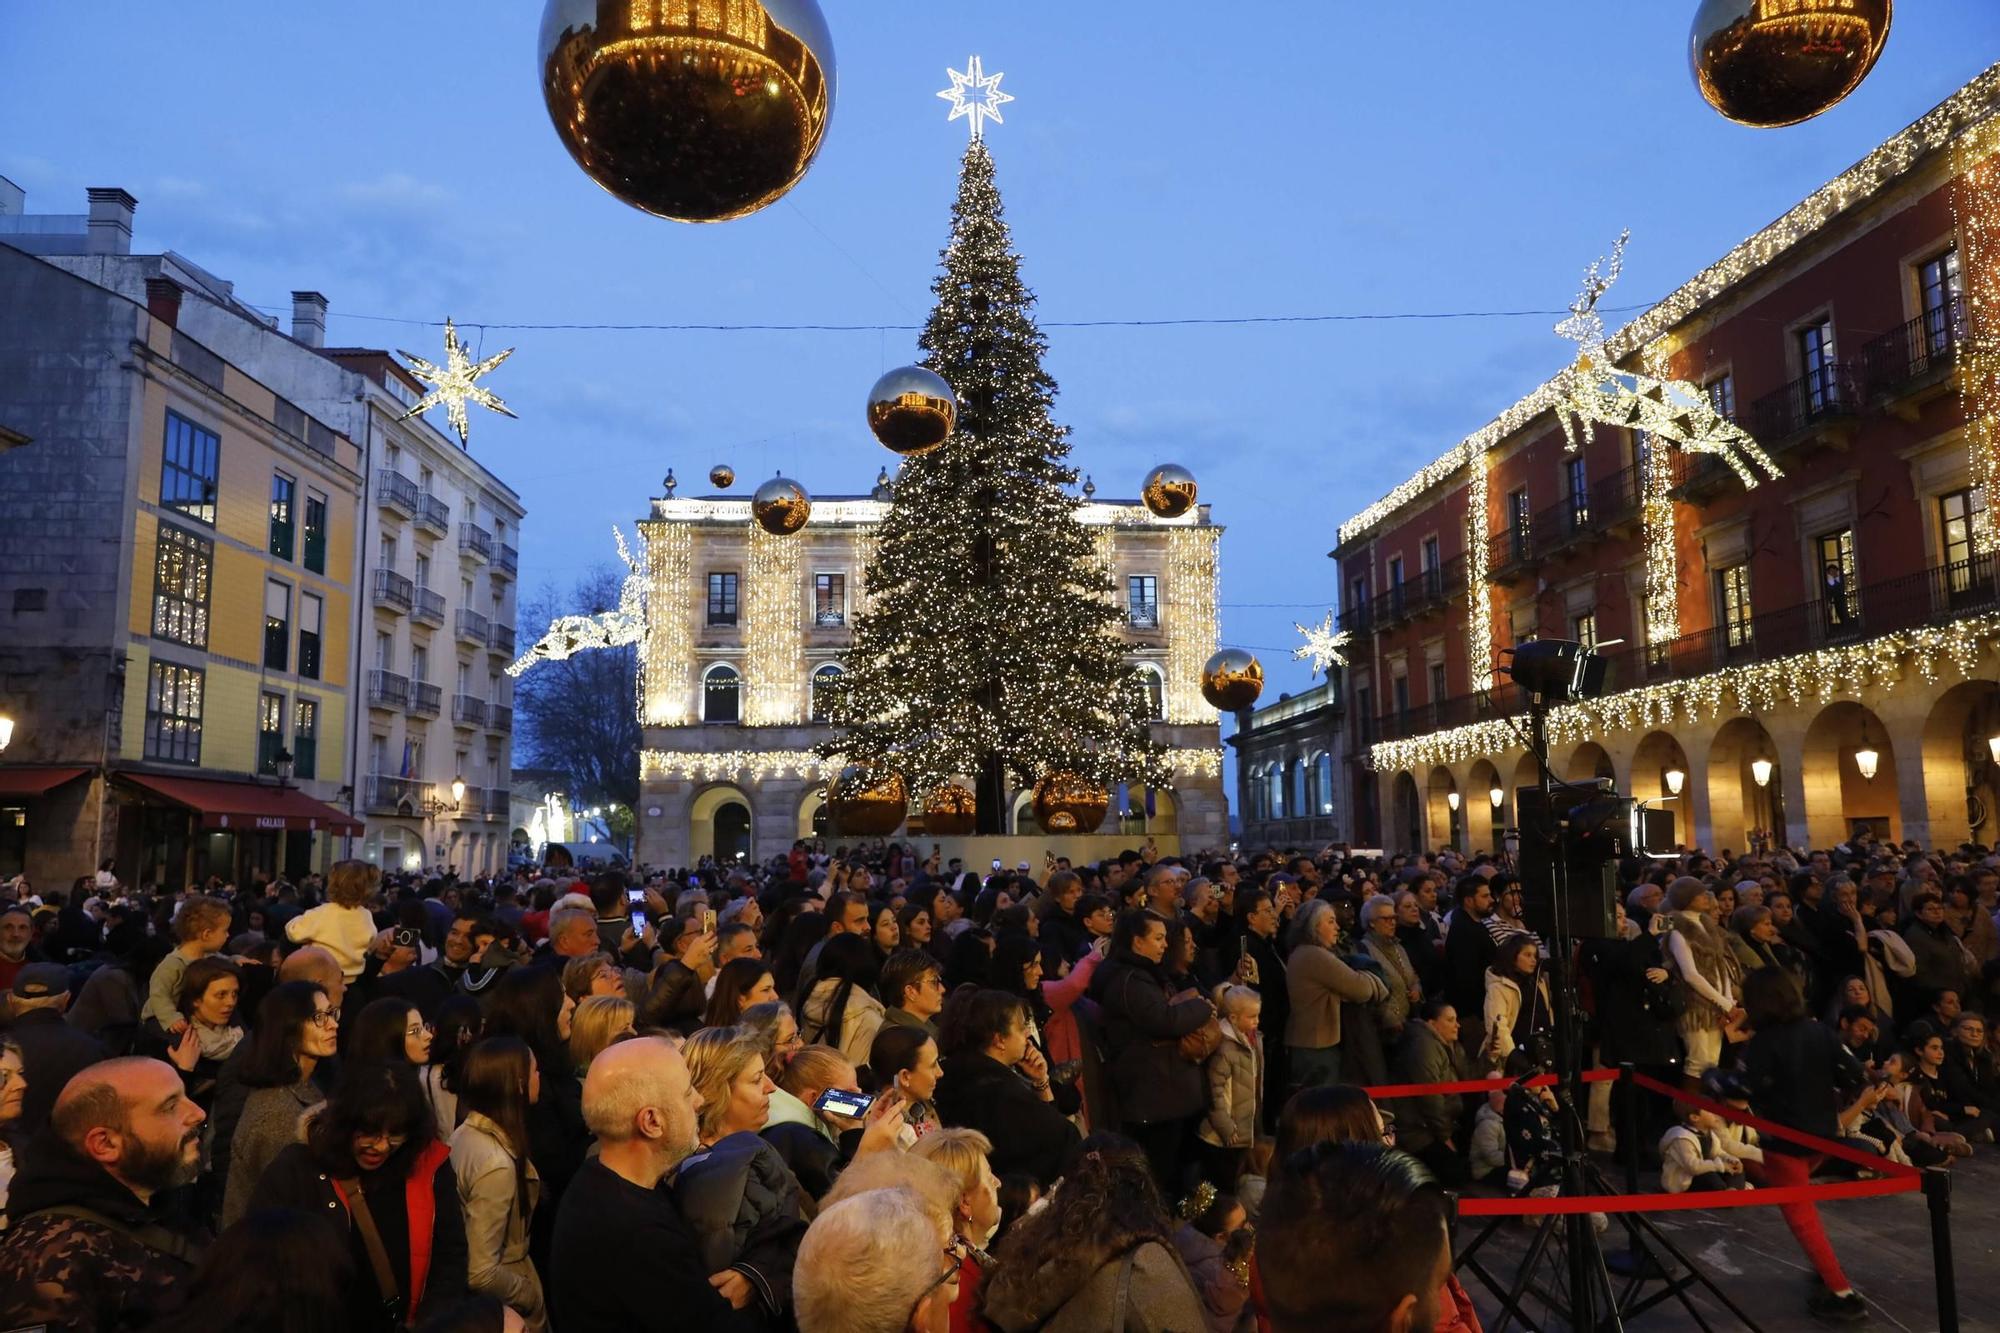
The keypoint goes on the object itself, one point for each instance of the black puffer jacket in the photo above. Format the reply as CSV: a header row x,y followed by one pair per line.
x,y
1142,1027
743,1203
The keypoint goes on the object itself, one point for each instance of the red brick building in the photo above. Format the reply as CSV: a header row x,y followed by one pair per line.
x,y
1814,652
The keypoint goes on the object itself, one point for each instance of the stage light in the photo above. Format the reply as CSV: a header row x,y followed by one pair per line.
x,y
1558,670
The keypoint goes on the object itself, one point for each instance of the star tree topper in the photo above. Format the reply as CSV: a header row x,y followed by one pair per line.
x,y
1324,644
986,100
454,384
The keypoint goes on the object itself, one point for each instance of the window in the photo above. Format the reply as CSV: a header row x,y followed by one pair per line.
x,y
387,552
188,470
1142,601
1839,594
1401,688
1364,711
315,557
305,738
823,675
425,478
1396,582
721,694
1583,629
1959,515
182,563
1438,678
1357,595
420,665
1155,685
1275,781
1323,767
1939,287
270,731
829,599
1433,568
1579,492
1816,362
1517,522
1722,395
423,571
284,499
722,599
311,614
173,713
1642,450
277,624
1300,808
1733,593
385,651
464,673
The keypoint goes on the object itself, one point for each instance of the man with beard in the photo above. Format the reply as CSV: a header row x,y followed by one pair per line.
x,y
17,931
92,1246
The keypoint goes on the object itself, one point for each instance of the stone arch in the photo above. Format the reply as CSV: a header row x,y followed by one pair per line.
x,y
1024,812
714,814
1961,774
1407,835
1839,798
1484,821
1589,760
1737,805
1658,754
812,811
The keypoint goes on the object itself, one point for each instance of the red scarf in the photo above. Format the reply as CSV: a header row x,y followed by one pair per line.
x,y
420,1208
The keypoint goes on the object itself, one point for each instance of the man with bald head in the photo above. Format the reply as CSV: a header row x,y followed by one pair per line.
x,y
624,1257
91,1245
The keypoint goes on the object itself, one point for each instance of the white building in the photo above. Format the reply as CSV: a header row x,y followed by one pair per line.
x,y
742,625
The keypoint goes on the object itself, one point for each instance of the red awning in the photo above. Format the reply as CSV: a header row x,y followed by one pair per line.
x,y
247,807
28,780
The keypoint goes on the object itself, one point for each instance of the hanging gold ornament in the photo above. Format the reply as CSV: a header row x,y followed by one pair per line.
x,y
781,506
950,811
722,476
1232,679
1066,802
1768,63
1169,490
864,805
912,410
695,110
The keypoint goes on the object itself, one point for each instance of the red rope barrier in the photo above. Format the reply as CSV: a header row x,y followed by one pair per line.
x,y
1532,1206
1825,1147
1392,1091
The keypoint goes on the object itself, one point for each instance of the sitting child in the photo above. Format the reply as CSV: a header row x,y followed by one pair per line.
x,y
1691,1158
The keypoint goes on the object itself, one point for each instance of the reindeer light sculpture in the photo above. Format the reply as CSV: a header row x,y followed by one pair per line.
x,y
569,635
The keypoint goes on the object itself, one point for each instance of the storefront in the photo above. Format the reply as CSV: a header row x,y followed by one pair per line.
x,y
39,807
176,831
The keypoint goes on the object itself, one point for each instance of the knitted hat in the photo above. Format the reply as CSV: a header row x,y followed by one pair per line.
x,y
1683,891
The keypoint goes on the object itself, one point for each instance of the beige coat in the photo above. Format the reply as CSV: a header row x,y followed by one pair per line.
x,y
1317,982
859,1022
496,1226
1235,1081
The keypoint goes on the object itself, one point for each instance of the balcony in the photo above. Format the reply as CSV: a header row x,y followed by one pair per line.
x,y
429,608
434,514
473,628
468,710
1510,553
386,689
500,640
496,805
1430,591
1142,615
396,492
1358,619
500,718
396,796
475,543
394,592
1421,719
506,562
426,699
1911,365
1563,525
1818,403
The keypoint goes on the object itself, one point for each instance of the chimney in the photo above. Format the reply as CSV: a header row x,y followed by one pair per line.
x,y
110,222
13,199
309,318
163,301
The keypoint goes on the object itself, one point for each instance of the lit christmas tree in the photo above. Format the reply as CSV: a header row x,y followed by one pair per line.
x,y
989,644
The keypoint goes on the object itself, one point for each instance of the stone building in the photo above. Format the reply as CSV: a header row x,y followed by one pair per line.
x,y
742,626
1291,769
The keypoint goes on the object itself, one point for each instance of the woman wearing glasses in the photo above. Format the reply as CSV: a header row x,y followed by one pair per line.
x,y
391,1031
280,1079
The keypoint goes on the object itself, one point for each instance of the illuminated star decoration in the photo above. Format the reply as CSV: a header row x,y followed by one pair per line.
x,y
1324,644
987,99
570,635
1595,392
453,384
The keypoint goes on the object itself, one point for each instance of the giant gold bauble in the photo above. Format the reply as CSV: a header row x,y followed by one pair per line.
x,y
781,506
912,410
950,811
1067,802
1169,490
865,805
696,110
1768,63
722,476
1232,679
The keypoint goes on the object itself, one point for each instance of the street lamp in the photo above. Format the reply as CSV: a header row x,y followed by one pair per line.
x,y
7,736
7,729
1866,760
457,792
282,762
1675,781
1497,796
435,806
1451,799
1760,771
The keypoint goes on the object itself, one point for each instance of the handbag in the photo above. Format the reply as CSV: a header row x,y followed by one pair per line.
x,y
1198,1045
392,1306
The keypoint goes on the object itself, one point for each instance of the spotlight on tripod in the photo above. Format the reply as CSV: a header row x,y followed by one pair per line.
x,y
1558,671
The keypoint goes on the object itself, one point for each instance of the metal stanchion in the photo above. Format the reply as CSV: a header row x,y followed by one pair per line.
x,y
1937,1193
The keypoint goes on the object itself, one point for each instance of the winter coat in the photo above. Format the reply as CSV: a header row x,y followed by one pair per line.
x,y
1080,1295
1942,960
272,1119
860,1020
1699,954
674,999
1142,1027
1318,981
1504,1019
1625,1032
1063,1035
1029,1135
1752,956
496,1220
1426,1057
1681,1160
1399,973
744,1205
1223,1298
1235,1083
1468,949
52,1052
125,1266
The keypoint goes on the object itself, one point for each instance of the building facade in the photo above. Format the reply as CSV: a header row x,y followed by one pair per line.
x,y
1291,769
177,571
1792,660
743,626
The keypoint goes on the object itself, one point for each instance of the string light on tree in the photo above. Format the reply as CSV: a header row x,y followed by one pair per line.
x,y
455,383
985,98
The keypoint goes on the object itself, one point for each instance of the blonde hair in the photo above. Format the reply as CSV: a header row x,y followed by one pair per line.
x,y
963,1152
597,1019
352,883
199,915
715,1056
1232,999
813,1069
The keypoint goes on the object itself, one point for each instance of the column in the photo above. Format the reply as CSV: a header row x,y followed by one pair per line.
x,y
1791,776
1692,813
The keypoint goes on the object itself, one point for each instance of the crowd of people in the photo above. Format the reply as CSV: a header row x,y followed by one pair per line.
x,y
857,1090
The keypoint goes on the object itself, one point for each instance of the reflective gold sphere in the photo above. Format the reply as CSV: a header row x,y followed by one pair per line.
x,y
695,110
1232,679
722,476
950,811
781,506
912,410
1169,490
868,806
1067,802
1768,63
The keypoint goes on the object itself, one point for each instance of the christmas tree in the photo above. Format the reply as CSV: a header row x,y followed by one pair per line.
x,y
988,646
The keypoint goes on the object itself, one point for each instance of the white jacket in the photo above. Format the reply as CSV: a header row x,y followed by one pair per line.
x,y
1681,1160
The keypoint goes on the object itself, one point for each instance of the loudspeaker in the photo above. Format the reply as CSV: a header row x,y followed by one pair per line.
x,y
1585,824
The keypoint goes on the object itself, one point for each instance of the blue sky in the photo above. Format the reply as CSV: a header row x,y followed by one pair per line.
x,y
1290,158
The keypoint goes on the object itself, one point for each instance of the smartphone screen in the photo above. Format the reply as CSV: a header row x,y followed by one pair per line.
x,y
708,922
635,898
639,921
851,1104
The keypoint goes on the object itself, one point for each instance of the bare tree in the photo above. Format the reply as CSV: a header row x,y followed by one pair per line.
x,y
580,715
